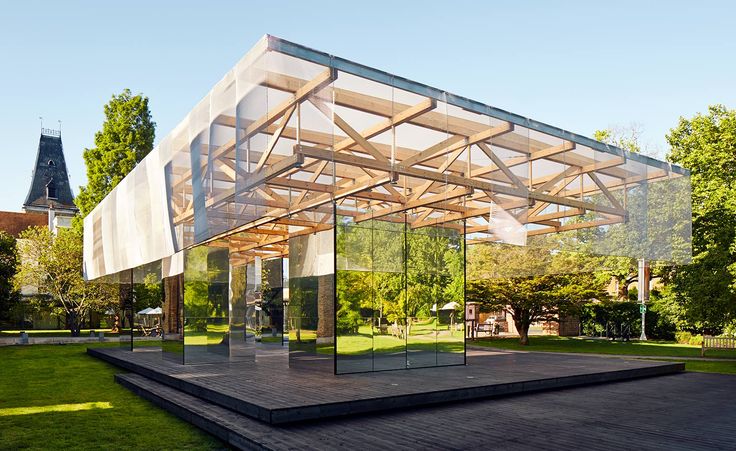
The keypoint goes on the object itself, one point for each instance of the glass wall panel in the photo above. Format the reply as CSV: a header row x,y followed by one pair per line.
x,y
424,296
206,303
173,319
196,304
413,284
218,277
253,300
355,295
312,300
273,303
389,292
148,305
451,315
237,314
124,315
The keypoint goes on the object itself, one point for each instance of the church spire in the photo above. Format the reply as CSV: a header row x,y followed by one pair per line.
x,y
50,186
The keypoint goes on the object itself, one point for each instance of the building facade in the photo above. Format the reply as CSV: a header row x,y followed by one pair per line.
x,y
49,203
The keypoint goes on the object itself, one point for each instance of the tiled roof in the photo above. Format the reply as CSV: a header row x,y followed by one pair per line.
x,y
14,222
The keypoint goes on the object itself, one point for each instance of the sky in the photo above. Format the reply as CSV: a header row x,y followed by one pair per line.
x,y
580,66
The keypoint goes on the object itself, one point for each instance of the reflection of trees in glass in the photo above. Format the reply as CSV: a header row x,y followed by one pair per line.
x,y
148,292
375,284
434,271
196,303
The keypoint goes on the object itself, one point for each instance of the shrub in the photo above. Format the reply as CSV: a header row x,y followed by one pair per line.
x,y
730,330
686,338
683,337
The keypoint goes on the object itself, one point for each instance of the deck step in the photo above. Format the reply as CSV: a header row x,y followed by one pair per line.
x,y
238,431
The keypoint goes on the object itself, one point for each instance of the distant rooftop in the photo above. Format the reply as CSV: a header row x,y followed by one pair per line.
x,y
50,180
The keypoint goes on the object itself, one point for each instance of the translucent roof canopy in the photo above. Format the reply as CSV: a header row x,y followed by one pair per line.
x,y
290,137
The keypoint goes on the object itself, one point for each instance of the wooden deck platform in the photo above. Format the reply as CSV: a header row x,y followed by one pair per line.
x,y
271,392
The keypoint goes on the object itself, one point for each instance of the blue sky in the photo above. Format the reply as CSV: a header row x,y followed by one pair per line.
x,y
576,65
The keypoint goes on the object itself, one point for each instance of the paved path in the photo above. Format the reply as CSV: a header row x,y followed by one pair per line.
x,y
619,356
688,411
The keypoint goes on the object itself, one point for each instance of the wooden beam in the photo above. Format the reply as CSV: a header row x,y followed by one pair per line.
x,y
575,226
554,150
454,194
350,131
313,86
451,159
455,142
321,154
556,215
258,178
506,171
404,116
275,137
605,191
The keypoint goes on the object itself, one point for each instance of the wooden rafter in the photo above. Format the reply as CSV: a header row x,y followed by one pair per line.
x,y
434,184
454,194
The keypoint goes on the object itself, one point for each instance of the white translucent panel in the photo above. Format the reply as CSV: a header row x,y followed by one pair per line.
x,y
237,161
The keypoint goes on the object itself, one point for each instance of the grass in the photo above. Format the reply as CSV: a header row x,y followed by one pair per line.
x,y
711,367
599,346
53,333
642,348
58,397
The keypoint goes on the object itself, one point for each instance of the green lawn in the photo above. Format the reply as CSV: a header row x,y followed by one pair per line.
x,y
595,346
711,367
53,333
57,397
598,346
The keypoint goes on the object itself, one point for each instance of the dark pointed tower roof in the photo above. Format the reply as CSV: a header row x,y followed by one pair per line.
x,y
50,184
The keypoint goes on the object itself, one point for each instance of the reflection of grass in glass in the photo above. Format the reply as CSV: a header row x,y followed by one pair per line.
x,y
216,333
193,337
304,335
155,342
423,337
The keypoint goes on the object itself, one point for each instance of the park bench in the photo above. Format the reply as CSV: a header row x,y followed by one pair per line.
x,y
717,343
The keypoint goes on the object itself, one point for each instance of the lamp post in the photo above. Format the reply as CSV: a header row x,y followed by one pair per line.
x,y
644,277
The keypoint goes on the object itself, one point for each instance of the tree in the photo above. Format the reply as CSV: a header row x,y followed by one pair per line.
x,y
626,137
126,137
532,283
706,289
53,264
623,269
8,266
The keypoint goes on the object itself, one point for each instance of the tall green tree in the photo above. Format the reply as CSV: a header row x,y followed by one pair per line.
x,y
53,264
126,137
8,266
706,289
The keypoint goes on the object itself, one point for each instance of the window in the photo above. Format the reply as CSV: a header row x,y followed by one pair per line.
x,y
51,189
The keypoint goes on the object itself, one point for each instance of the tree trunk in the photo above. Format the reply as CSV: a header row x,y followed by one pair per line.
x,y
74,324
523,328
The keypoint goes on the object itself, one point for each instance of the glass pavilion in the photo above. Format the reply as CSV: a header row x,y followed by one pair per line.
x,y
319,206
